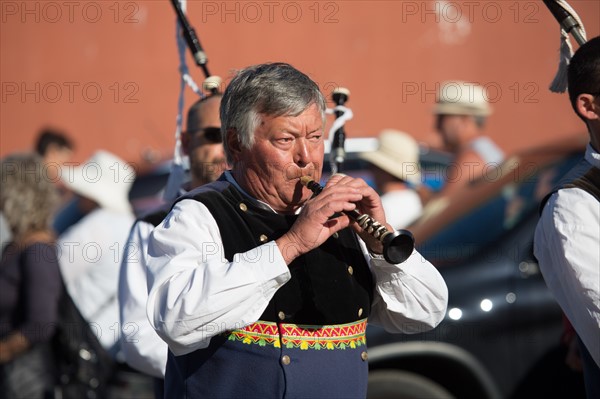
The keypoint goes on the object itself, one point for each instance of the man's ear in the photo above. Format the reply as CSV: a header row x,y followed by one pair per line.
x,y
233,143
586,107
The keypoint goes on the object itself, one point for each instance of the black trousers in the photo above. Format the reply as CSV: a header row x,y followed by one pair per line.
x,y
591,373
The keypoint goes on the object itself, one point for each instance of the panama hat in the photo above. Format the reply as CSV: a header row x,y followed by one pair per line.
x,y
398,154
462,98
105,179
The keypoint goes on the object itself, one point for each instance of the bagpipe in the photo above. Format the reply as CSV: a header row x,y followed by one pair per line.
x,y
570,23
185,34
211,83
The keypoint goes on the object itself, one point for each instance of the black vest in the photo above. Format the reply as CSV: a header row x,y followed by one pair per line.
x,y
331,284
583,176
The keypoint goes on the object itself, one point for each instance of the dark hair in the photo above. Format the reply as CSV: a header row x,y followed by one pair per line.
x,y
584,71
48,137
193,115
274,89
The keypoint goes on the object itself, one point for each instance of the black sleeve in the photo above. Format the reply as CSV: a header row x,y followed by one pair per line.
x,y
41,291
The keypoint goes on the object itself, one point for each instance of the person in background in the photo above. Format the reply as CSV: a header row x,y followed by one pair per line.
x,y
30,280
56,149
567,236
91,250
257,286
461,113
397,175
142,347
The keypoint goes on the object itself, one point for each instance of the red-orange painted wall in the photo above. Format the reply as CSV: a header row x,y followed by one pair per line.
x,y
107,72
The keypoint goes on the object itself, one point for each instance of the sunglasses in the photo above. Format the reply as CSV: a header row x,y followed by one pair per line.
x,y
211,134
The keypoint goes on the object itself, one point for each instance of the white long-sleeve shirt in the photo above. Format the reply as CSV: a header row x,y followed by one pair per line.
x,y
143,349
196,293
567,246
90,257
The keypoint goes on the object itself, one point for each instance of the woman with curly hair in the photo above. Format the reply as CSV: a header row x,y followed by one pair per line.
x,y
30,280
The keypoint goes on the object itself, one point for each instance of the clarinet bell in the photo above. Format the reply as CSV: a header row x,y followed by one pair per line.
x,y
398,246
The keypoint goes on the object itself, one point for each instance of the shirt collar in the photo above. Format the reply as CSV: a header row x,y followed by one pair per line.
x,y
263,205
592,156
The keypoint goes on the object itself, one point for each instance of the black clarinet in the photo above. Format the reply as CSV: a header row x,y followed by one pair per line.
x,y
337,152
397,245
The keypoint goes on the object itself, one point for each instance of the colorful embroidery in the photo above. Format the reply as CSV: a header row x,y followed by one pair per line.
x,y
340,336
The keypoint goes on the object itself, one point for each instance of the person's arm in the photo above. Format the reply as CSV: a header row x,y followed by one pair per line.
x,y
195,293
12,346
566,246
42,290
143,349
91,258
468,166
409,297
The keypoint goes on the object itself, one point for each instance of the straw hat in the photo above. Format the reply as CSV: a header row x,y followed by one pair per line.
x,y
398,154
104,178
462,98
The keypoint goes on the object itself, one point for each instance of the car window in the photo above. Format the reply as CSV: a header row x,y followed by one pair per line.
x,y
485,224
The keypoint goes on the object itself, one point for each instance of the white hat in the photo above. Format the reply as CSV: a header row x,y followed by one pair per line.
x,y
104,178
462,98
398,154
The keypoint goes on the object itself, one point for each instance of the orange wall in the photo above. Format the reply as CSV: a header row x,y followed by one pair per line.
x,y
106,71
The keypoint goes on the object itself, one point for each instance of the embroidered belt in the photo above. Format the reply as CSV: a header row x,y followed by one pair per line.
x,y
304,337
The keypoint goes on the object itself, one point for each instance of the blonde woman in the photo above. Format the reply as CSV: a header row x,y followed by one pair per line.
x,y
30,280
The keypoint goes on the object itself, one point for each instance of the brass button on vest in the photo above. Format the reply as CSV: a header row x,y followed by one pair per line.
x,y
263,238
243,207
285,360
281,315
364,356
360,312
350,270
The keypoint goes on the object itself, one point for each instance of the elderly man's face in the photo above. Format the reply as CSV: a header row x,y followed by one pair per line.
x,y
285,148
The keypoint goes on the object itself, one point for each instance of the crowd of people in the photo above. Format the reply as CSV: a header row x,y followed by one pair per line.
x,y
249,284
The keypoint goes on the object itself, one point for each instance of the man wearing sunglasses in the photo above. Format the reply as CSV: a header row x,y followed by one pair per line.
x,y
141,346
202,141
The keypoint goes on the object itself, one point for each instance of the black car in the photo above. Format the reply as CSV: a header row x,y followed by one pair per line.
x,y
501,318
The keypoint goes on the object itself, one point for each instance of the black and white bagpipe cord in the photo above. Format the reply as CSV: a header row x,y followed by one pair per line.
x,y
337,134
185,33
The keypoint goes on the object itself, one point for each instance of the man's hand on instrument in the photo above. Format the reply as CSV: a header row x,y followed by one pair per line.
x,y
370,204
315,223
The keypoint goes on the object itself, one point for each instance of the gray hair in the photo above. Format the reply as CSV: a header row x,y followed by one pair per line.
x,y
274,89
28,198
